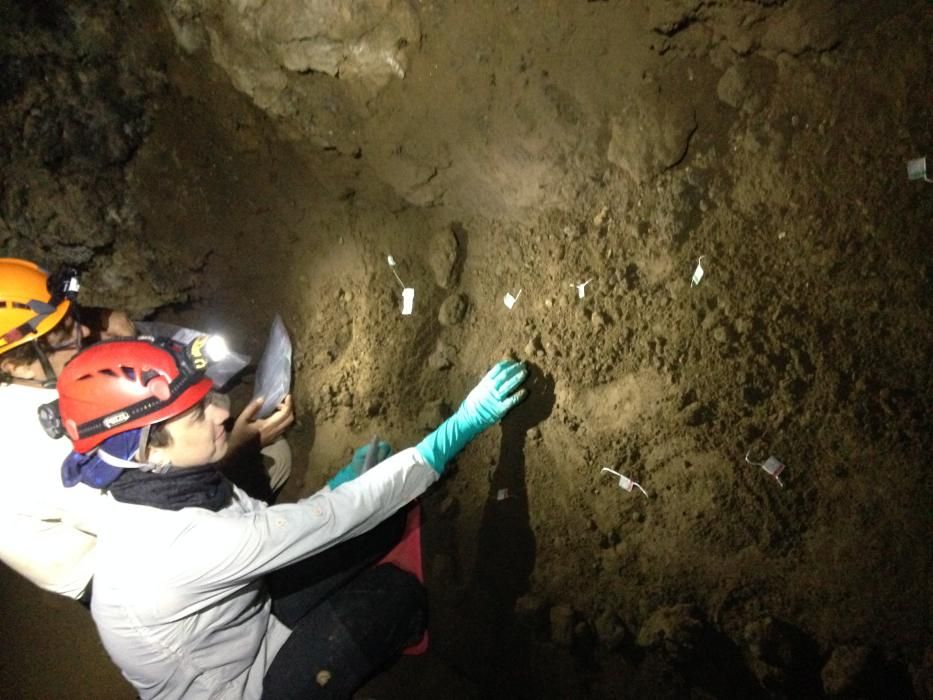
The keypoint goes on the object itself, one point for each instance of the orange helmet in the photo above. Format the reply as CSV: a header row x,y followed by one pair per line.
x,y
30,306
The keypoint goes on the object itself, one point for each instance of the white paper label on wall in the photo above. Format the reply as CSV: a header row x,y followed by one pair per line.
x,y
772,466
625,483
509,300
917,169
698,273
408,300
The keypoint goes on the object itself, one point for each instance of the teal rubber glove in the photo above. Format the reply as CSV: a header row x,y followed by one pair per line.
x,y
483,407
357,464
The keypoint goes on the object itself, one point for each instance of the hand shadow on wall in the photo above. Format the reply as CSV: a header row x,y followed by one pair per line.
x,y
507,546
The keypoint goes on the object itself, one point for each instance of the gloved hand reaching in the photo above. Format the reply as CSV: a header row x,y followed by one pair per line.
x,y
355,467
492,398
483,407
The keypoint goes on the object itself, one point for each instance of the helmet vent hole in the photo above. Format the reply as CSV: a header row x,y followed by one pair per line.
x,y
159,388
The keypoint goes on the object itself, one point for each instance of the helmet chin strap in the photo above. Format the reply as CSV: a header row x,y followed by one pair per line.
x,y
121,463
139,462
51,379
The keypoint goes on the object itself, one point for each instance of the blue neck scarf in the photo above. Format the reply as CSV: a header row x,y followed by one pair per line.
x,y
90,469
197,487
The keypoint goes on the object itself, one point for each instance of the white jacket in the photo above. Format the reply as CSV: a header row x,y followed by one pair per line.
x,y
46,530
178,595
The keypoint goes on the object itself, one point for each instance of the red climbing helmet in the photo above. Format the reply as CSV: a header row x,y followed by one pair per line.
x,y
118,385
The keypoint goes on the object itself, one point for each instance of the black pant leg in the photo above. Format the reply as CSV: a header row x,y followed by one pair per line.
x,y
337,646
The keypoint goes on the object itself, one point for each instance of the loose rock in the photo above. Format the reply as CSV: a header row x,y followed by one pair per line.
x,y
443,357
776,643
676,626
443,258
801,27
453,310
533,347
651,136
738,88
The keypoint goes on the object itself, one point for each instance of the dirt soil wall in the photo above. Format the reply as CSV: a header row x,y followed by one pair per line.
x,y
536,146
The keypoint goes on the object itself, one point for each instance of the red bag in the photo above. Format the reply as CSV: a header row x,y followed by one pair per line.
x,y
406,555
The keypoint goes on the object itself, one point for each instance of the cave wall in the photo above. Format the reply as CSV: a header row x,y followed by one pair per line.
x,y
75,112
262,157
534,118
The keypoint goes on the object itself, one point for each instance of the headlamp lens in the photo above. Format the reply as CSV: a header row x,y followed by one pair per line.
x,y
204,350
216,348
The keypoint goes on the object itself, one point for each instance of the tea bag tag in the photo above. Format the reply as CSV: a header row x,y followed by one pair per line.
x,y
408,300
773,466
698,273
581,289
408,293
625,483
917,169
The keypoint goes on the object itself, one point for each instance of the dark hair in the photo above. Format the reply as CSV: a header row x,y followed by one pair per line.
x,y
158,432
23,355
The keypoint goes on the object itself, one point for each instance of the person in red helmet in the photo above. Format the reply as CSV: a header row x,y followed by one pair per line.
x,y
47,532
180,595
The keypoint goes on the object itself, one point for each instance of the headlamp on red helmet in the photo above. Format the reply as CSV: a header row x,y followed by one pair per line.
x,y
118,385
205,350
